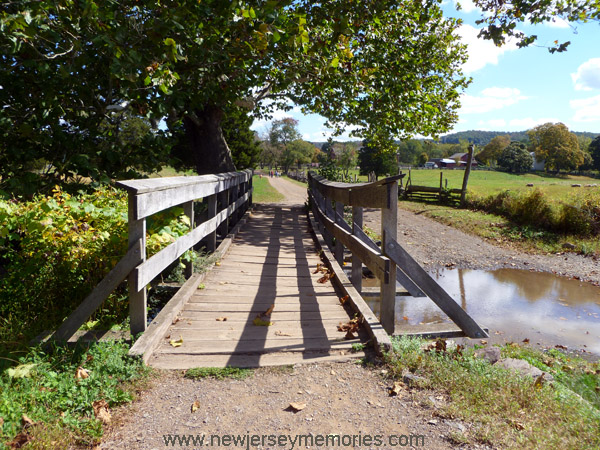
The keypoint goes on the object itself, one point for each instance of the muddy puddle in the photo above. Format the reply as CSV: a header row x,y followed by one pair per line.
x,y
514,305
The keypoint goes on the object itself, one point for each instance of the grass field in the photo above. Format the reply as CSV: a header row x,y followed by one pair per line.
x,y
484,182
264,192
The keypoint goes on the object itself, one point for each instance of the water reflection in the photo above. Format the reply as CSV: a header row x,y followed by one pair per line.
x,y
518,302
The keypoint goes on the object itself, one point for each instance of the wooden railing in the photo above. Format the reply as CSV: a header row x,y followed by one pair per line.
x,y
390,262
228,196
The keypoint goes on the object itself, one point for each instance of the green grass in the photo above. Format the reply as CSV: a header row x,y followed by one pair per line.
x,y
483,182
507,410
44,387
264,192
500,230
218,373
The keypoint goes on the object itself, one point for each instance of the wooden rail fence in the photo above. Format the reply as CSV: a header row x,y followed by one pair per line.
x,y
391,262
228,196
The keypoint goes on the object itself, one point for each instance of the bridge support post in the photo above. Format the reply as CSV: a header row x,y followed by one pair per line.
x,y
357,223
188,210
223,198
389,233
339,247
137,299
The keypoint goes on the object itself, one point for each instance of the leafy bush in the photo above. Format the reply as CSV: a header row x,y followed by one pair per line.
x,y
55,249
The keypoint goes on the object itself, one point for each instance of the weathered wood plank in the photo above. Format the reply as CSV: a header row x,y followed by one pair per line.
x,y
147,271
170,193
190,311
190,333
389,232
256,346
257,308
108,284
434,291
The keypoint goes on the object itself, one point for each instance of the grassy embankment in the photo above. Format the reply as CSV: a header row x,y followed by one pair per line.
x,y
507,410
542,218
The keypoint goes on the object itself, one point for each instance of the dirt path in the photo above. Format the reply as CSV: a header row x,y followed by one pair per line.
x,y
294,194
435,245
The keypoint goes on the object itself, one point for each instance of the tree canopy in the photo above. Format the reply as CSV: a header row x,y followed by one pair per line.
x,y
555,144
515,158
384,67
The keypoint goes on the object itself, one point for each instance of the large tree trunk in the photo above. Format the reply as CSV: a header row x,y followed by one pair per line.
x,y
210,151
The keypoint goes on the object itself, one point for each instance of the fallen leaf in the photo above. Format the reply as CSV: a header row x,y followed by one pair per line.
x,y
101,411
261,322
26,421
195,406
201,286
269,311
562,347
218,263
297,406
526,340
351,326
344,299
81,373
405,318
397,388
349,335
221,319
518,425
281,333
176,343
483,342
175,320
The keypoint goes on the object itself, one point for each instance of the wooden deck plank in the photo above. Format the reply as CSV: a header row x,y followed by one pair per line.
x,y
271,261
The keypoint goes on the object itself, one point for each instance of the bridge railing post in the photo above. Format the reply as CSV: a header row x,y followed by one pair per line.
x,y
339,247
137,298
357,223
188,209
389,233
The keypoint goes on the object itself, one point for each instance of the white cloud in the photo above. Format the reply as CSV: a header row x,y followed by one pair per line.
x,y
586,109
491,99
481,52
587,76
529,122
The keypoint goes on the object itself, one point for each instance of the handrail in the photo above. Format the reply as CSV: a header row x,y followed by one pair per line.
x,y
391,262
228,196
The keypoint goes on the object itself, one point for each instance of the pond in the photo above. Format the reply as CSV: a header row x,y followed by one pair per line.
x,y
514,305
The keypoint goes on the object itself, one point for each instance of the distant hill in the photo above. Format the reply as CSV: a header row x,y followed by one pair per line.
x,y
481,138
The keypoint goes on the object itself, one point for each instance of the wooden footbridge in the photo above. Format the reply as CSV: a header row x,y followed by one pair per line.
x,y
277,293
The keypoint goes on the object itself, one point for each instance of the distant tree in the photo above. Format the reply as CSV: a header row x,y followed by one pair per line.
x,y
245,147
346,155
515,158
380,160
492,150
555,144
422,159
296,153
284,131
594,149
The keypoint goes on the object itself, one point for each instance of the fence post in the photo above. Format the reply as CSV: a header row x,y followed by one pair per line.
x,y
339,247
389,232
211,239
357,222
137,299
223,198
250,179
329,212
188,210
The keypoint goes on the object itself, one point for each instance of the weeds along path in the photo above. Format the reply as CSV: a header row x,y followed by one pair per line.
x,y
436,245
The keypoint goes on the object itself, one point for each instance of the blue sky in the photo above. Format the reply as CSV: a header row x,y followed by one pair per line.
x,y
514,89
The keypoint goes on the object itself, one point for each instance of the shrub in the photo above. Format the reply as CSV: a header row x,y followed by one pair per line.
x,y
55,249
